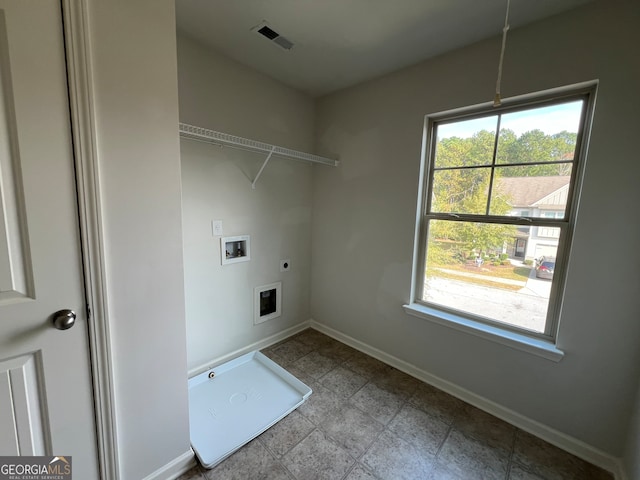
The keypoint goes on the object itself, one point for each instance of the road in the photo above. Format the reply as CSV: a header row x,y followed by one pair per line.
x,y
526,307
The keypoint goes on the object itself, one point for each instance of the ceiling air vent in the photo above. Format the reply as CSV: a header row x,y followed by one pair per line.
x,y
266,31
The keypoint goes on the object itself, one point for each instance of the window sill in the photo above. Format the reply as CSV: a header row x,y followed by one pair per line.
x,y
535,346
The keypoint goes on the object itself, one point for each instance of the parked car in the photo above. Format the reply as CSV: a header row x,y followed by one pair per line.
x,y
545,268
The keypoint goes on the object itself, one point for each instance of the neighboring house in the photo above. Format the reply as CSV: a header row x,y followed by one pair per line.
x,y
541,197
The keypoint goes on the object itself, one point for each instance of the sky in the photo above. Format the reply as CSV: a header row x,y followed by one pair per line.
x,y
550,120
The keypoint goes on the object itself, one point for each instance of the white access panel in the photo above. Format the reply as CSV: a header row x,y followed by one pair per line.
x,y
237,401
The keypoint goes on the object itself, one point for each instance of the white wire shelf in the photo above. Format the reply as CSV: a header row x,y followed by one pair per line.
x,y
219,138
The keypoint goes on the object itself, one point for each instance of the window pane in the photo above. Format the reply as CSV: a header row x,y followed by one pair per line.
x,y
540,135
515,191
460,190
489,270
466,143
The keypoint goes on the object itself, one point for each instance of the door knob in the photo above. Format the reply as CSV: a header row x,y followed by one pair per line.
x,y
64,319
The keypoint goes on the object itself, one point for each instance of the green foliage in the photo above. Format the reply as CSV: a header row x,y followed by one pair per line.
x,y
536,147
463,190
451,241
532,147
440,253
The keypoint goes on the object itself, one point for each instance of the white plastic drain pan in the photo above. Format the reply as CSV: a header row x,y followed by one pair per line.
x,y
237,401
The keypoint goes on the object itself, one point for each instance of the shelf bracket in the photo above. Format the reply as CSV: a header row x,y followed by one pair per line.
x,y
253,184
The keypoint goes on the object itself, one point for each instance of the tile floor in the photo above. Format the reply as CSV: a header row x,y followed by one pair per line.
x,y
366,420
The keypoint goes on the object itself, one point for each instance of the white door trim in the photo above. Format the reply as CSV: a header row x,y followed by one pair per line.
x,y
81,99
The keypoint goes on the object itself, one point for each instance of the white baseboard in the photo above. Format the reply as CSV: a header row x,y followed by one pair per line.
x,y
264,343
175,468
572,445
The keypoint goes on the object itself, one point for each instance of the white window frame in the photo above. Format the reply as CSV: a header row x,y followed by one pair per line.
x,y
545,343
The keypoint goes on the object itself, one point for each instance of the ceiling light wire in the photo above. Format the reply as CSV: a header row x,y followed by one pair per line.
x,y
496,100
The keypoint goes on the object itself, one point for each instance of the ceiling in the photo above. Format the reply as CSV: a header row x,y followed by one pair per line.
x,y
338,43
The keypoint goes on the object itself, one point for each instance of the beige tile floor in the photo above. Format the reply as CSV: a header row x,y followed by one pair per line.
x,y
366,420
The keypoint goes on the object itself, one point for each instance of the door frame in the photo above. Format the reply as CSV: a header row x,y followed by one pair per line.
x,y
75,17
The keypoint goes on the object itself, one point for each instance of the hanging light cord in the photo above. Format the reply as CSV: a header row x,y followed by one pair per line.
x,y
497,101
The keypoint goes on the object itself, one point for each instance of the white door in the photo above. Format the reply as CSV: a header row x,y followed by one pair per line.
x,y
46,405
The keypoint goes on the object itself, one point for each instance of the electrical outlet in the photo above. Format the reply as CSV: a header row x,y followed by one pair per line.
x,y
285,265
217,228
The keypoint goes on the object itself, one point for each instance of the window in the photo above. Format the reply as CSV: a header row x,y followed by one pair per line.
x,y
498,208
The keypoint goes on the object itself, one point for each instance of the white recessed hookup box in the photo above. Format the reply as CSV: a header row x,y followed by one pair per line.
x,y
235,249
267,302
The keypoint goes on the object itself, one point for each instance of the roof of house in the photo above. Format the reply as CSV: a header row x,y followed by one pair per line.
x,y
527,191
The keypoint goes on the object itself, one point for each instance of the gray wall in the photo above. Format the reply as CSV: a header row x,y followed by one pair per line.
x,y
364,216
220,94
632,452
136,115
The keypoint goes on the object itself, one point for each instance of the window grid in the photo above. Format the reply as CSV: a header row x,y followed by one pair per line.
x,y
558,226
